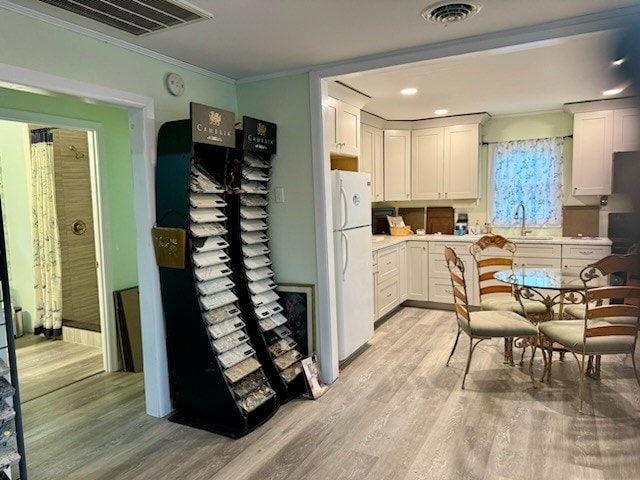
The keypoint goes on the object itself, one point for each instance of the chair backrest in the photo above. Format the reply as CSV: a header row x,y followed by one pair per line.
x,y
492,253
612,302
459,286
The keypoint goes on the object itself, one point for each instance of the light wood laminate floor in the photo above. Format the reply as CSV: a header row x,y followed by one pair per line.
x,y
47,365
396,412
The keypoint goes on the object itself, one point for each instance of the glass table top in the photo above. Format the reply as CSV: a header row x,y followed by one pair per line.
x,y
551,278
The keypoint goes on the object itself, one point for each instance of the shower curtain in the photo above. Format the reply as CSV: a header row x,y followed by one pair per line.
x,y
46,239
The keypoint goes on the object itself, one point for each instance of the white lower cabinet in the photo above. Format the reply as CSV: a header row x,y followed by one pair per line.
x,y
418,271
576,257
440,289
402,272
388,296
389,278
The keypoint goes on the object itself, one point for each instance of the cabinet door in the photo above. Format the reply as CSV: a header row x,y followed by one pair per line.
x,y
417,271
370,159
397,164
626,130
330,111
592,153
402,271
365,160
427,154
377,175
461,158
375,285
349,129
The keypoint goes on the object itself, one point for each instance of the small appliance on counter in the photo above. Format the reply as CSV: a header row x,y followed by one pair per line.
x,y
462,224
379,222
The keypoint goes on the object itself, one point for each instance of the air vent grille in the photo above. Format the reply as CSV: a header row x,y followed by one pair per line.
x,y
136,17
446,13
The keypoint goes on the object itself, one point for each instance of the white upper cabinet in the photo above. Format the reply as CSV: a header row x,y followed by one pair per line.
x,y
626,130
370,160
445,162
592,152
427,157
342,123
461,158
397,165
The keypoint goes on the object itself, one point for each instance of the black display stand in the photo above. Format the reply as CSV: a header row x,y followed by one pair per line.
x,y
248,237
12,443
204,395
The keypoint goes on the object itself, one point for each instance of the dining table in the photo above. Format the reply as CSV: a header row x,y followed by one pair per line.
x,y
554,288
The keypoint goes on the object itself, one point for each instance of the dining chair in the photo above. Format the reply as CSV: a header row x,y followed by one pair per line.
x,y
610,322
578,311
493,253
480,325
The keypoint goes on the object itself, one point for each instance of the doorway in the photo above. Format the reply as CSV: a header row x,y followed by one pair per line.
x,y
45,364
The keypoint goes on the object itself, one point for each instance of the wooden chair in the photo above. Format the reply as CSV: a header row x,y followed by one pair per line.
x,y
493,253
606,328
481,325
579,311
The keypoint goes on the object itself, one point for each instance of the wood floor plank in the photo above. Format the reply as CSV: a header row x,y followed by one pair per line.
x,y
395,413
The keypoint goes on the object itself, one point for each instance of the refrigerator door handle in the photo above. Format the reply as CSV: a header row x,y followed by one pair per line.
x,y
345,250
343,196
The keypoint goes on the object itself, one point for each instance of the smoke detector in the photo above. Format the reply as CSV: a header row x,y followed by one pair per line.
x,y
450,12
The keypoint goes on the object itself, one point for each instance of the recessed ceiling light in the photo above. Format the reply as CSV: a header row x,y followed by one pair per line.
x,y
441,111
618,62
409,91
612,91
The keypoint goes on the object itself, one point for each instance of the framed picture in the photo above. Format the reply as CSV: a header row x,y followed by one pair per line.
x,y
297,301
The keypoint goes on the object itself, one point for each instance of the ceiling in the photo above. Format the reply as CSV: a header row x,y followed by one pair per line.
x,y
252,38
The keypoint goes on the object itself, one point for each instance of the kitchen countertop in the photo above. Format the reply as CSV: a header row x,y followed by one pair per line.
x,y
382,241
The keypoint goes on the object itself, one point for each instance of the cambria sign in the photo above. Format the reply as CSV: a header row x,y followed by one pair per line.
x,y
212,125
259,136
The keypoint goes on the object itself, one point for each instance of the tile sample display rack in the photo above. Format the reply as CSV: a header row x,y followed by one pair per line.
x,y
251,264
218,381
11,432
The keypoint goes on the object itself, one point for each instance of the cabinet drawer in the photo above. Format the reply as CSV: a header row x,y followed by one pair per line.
x,y
585,252
461,248
440,290
438,266
387,264
552,250
573,266
388,296
536,262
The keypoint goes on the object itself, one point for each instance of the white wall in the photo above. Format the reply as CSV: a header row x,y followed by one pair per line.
x,y
14,154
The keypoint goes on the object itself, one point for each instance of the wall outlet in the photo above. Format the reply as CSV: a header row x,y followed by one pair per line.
x,y
279,194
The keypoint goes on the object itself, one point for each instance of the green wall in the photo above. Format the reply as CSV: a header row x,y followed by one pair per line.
x,y
285,101
116,170
44,47
16,203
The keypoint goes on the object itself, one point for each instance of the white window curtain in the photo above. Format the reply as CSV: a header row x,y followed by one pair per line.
x,y
528,171
46,240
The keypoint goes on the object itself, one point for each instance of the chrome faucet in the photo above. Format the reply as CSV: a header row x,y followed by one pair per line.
x,y
523,232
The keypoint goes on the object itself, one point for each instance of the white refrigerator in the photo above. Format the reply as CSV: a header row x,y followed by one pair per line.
x,y
353,266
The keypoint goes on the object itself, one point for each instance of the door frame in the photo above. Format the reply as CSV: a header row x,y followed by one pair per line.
x,y
95,140
142,143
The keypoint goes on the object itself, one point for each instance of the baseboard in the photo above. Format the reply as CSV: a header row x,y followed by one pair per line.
x,y
83,337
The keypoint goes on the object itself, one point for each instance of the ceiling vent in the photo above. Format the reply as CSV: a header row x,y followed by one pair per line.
x,y
136,17
449,12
